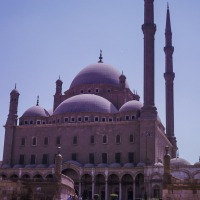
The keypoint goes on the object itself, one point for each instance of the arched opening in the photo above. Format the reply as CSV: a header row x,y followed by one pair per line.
x,y
14,176
71,173
49,176
100,186
86,185
25,176
139,186
127,187
3,176
156,192
37,176
113,185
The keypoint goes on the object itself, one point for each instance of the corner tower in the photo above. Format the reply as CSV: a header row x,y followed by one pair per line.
x,y
149,110
12,116
10,127
169,76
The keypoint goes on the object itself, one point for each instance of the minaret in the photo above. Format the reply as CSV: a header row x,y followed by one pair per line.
x,y
149,110
12,116
169,76
58,94
10,126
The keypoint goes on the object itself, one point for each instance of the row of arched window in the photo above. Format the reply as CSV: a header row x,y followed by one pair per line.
x,y
92,140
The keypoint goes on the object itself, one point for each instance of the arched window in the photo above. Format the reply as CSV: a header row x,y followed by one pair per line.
x,y
92,139
75,141
118,139
33,159
46,141
131,138
58,141
34,141
105,139
23,141
156,191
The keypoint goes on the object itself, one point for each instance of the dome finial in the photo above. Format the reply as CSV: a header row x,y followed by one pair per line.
x,y
100,57
15,86
37,101
168,5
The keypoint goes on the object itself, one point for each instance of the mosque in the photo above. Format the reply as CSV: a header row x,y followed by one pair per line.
x,y
112,144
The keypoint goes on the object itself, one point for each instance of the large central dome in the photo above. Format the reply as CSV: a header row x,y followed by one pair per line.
x,y
99,73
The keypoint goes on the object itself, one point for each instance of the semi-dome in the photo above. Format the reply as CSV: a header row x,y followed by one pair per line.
x,y
179,162
36,111
98,73
197,164
85,103
128,165
132,105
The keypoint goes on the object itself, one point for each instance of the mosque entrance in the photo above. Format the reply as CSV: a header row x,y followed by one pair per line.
x,y
139,187
127,187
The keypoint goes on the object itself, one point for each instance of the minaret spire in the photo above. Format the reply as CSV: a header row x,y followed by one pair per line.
x,y
149,28
37,104
169,76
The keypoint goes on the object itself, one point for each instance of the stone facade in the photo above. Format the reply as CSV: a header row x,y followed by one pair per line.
x,y
112,145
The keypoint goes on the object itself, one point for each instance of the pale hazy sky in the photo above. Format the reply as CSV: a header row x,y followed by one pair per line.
x,y
42,39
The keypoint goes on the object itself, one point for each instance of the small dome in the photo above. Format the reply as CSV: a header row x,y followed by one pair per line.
x,y
179,162
131,106
30,166
41,166
102,165
36,111
98,73
128,165
140,164
5,166
18,166
85,103
51,166
197,164
115,165
74,163
89,165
